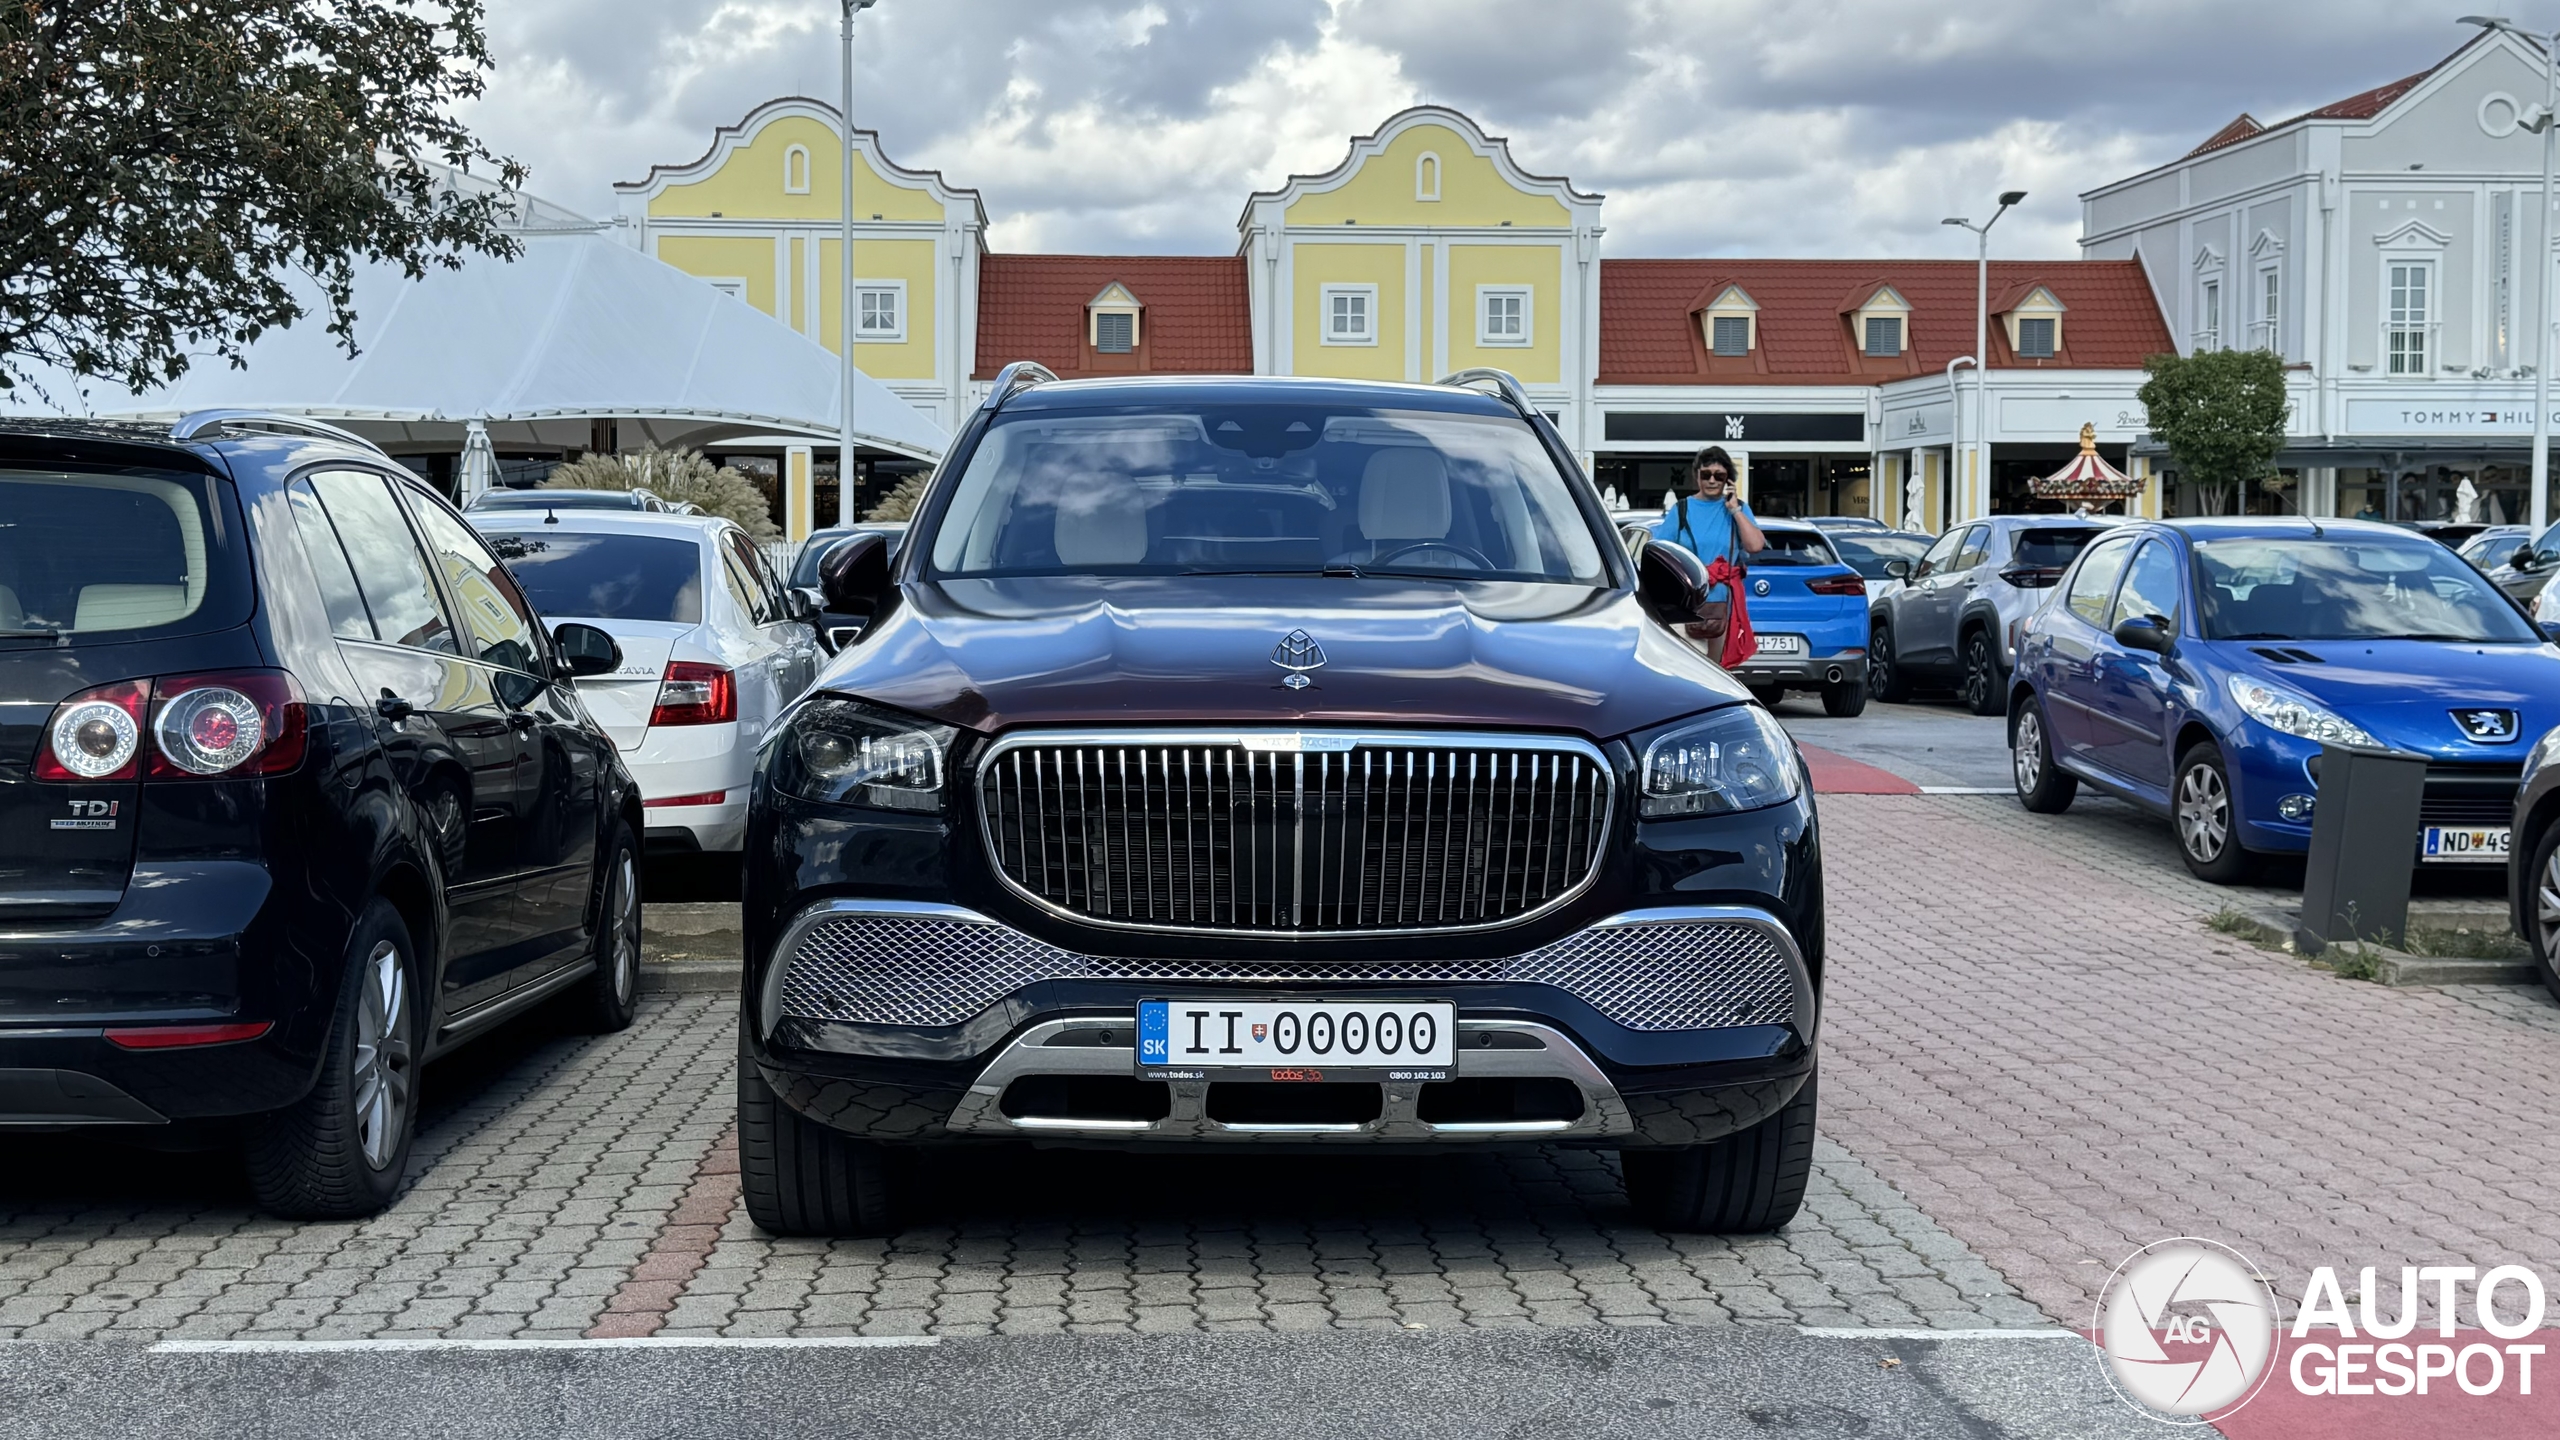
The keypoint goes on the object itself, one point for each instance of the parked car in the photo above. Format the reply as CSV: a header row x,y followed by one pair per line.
x,y
294,797
1954,622
1837,523
2533,861
713,648
835,628
1872,552
2495,546
1111,830
2197,667
566,499
2527,572
1809,611
2451,534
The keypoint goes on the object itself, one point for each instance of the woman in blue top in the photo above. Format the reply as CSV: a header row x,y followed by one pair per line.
x,y
1713,524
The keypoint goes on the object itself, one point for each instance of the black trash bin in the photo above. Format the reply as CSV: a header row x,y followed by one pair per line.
x,y
2364,837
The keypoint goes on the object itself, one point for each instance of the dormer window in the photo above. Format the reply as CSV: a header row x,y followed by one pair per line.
x,y
1111,320
1879,323
1884,335
1731,322
2035,337
2034,320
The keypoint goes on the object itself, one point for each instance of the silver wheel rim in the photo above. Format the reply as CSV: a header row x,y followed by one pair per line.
x,y
624,901
1880,656
2027,759
2546,909
2204,813
383,1070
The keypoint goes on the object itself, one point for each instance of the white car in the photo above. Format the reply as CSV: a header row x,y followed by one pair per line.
x,y
713,647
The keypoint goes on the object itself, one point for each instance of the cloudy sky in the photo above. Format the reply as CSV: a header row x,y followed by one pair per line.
x,y
1812,127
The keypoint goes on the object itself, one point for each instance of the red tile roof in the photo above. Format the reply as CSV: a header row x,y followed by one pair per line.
x,y
1649,331
1196,318
2242,126
2361,106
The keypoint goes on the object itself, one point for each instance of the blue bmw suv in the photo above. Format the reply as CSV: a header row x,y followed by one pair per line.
x,y
2197,667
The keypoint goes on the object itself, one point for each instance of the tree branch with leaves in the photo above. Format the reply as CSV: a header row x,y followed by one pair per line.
x,y
169,168
2220,412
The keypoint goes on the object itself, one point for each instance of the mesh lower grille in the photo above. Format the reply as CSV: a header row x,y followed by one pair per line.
x,y
914,970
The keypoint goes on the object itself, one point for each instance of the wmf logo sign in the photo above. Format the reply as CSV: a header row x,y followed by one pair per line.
x,y
2187,1329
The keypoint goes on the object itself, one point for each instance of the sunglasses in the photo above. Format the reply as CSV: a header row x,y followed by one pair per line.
x,y
1715,474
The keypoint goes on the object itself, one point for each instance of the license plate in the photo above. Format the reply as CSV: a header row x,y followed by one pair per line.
x,y
1297,1039
1781,644
2477,845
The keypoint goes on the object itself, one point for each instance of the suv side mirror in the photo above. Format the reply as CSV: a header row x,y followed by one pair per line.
x,y
855,574
2527,559
1671,582
588,650
1899,569
2143,632
806,602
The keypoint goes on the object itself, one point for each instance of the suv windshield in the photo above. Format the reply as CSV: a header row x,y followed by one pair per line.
x,y
1265,489
606,577
2052,549
2413,589
1795,547
83,553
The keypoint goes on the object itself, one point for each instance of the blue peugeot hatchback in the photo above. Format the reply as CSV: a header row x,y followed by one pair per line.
x,y
2196,667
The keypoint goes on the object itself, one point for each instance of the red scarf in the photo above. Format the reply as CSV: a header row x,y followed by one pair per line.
x,y
1739,643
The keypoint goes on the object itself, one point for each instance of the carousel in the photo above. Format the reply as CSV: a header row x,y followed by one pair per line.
x,y
2088,483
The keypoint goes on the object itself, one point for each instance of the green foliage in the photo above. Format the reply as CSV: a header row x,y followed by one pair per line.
x,y
2220,412
900,503
2463,942
169,167
676,476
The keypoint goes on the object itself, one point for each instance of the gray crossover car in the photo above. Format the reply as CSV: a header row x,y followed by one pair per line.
x,y
1951,624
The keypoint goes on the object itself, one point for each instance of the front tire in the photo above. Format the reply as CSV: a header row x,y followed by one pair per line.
x,y
801,1178
2542,934
1981,674
2206,819
1845,701
1769,696
1884,677
340,1151
2043,787
611,996
1745,1183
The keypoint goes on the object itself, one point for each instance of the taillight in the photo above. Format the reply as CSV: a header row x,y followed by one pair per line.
x,y
96,734
1838,585
230,724
696,694
176,1037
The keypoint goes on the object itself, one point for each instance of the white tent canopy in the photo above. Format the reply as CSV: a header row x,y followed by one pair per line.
x,y
581,327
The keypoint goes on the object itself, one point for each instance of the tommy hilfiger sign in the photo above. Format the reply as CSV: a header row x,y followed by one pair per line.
x,y
2396,417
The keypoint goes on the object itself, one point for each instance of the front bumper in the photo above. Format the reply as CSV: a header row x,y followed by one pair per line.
x,y
1807,670
897,1020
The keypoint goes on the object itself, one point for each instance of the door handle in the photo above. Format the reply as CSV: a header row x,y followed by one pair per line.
x,y
518,720
392,708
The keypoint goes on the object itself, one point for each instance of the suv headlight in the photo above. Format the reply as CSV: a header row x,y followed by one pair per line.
x,y
2283,710
846,753
1735,759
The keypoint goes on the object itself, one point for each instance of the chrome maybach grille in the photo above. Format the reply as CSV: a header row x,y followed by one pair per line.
x,y
908,969
1295,833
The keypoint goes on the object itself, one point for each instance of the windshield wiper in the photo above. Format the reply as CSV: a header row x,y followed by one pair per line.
x,y
34,634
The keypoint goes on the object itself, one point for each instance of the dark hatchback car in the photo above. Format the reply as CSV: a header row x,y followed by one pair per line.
x,y
1276,763
294,795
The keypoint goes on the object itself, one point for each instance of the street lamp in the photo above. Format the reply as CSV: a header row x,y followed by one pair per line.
x,y
845,318
1981,327
2538,120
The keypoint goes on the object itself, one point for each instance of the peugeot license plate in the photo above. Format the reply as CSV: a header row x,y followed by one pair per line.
x,y
1297,1039
1781,644
2475,844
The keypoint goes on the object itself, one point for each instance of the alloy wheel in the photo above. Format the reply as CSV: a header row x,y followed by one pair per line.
x,y
2204,813
2546,909
383,1065
1880,657
2026,758
623,947
1977,675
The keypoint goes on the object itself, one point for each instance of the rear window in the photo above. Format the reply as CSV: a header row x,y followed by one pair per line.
x,y
606,577
93,553
1795,547
2052,549
1868,554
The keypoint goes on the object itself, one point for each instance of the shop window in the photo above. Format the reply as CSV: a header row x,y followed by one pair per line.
x,y
1502,315
1349,313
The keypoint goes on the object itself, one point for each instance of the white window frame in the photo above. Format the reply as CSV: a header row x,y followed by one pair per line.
x,y
2209,313
800,153
2019,335
1716,318
1527,295
1368,310
1427,163
1901,334
1093,328
2270,324
2429,359
894,288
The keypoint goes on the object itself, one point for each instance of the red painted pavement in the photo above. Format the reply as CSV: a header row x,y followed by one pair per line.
x,y
1840,775
2281,1412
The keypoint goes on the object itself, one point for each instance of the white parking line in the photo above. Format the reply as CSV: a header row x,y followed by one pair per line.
x,y
1966,790
1853,1332
647,1342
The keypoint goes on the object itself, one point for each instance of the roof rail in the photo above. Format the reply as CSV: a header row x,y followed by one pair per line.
x,y
1015,378
1504,383
195,424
